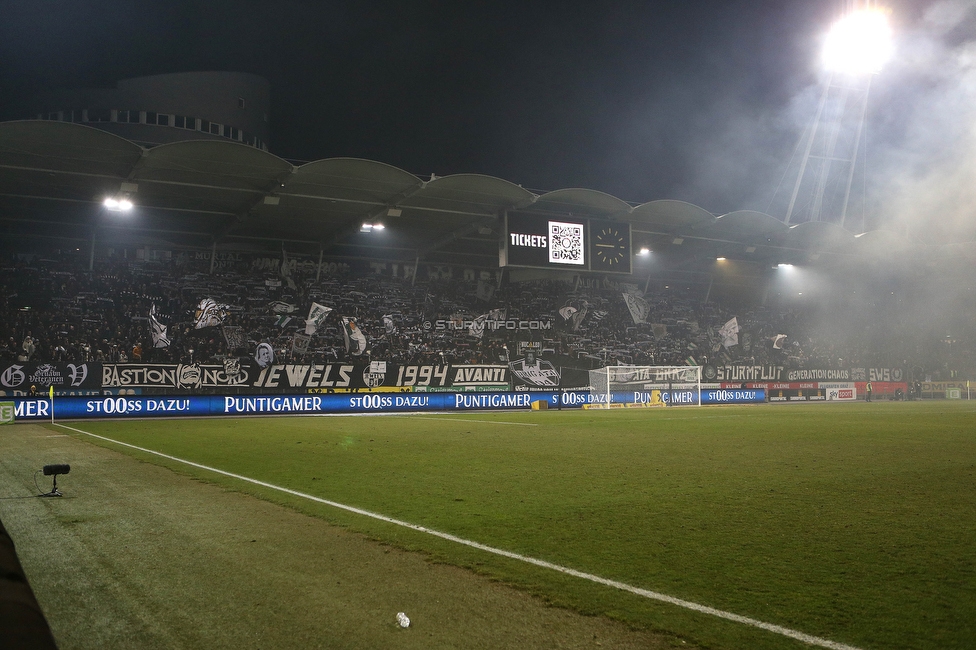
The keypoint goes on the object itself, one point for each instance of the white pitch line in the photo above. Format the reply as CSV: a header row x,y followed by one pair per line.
x,y
646,593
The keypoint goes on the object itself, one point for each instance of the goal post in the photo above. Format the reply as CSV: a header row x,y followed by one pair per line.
x,y
613,386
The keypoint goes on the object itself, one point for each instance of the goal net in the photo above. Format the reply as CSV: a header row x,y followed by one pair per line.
x,y
645,386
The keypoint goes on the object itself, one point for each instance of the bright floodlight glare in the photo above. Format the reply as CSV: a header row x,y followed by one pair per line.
x,y
785,266
366,227
719,259
117,205
378,226
859,43
645,251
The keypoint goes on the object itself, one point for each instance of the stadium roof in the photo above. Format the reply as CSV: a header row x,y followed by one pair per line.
x,y
55,175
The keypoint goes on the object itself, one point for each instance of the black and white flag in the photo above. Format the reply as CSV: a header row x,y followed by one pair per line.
x,y
158,330
730,333
316,316
639,309
355,339
210,313
264,355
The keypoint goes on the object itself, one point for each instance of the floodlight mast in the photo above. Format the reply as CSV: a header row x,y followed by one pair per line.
x,y
856,48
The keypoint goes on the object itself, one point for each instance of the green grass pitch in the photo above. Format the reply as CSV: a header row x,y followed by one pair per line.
x,y
851,522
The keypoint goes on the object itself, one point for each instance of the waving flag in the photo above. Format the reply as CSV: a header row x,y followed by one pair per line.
x,y
316,316
158,330
355,339
730,333
209,314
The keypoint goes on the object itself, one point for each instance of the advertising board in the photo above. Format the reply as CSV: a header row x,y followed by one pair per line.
x,y
203,405
537,241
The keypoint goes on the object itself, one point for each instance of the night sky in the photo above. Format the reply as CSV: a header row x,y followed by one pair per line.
x,y
700,101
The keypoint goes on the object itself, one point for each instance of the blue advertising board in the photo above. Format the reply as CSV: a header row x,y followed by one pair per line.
x,y
72,408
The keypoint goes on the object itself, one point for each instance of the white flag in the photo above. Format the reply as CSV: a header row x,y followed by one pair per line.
x,y
730,333
316,316
158,330
778,341
639,309
355,339
477,327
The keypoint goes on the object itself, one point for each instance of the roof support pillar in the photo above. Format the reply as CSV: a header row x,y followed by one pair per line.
x,y
91,255
318,271
213,256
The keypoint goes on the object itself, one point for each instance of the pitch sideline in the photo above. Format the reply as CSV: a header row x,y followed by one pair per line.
x,y
645,593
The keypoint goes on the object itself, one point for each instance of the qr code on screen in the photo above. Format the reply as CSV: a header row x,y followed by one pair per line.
x,y
565,243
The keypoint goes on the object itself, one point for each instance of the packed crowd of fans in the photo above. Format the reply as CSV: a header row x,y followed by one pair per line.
x,y
54,309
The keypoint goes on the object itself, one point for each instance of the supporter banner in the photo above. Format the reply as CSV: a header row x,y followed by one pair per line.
x,y
743,373
19,377
380,374
173,376
478,375
819,374
779,373
533,371
202,405
877,374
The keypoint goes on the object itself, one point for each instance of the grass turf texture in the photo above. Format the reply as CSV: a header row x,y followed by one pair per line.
x,y
137,556
850,522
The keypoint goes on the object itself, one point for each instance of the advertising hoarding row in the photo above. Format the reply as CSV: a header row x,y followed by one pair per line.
x,y
204,405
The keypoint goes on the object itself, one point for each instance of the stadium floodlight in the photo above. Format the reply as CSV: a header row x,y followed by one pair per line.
x,y
370,227
114,204
859,43
784,266
645,251
719,259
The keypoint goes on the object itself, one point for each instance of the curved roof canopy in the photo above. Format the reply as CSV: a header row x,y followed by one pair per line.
x,y
54,176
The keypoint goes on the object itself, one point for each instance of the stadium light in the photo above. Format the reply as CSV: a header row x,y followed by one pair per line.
x,y
370,227
859,43
117,204
784,266
644,251
719,259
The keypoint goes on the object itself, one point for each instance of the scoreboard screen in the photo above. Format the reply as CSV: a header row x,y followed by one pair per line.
x,y
535,241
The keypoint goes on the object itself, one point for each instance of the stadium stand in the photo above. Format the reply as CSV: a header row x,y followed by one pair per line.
x,y
55,310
